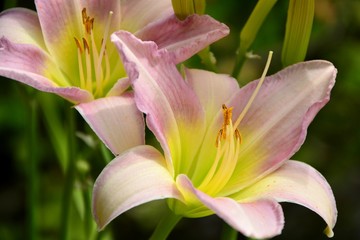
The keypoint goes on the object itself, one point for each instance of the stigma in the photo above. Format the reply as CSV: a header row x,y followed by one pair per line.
x,y
93,60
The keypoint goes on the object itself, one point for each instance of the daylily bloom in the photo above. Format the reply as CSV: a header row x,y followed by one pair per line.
x,y
225,149
64,47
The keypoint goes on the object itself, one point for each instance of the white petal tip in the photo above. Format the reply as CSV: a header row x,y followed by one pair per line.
x,y
329,232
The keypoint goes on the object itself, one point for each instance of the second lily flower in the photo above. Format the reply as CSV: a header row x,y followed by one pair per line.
x,y
224,151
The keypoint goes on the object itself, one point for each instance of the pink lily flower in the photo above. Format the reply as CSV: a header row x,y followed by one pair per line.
x,y
223,151
64,48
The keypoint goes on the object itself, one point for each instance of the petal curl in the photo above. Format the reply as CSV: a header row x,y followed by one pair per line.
x,y
21,25
116,120
276,124
184,38
298,183
135,177
173,110
32,66
258,219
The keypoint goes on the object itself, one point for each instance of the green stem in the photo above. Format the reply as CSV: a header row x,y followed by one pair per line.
x,y
165,226
69,177
228,233
249,32
32,172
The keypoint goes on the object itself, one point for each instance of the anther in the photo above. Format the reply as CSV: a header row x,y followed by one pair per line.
x,y
86,46
78,44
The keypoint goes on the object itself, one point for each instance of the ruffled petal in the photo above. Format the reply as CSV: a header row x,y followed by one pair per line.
x,y
21,25
116,120
173,110
276,124
32,66
184,38
258,219
139,13
136,177
298,183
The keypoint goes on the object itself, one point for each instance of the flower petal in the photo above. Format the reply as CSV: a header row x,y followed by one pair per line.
x,y
60,23
258,219
136,177
173,110
32,66
116,120
298,183
137,14
276,124
184,38
21,25
213,90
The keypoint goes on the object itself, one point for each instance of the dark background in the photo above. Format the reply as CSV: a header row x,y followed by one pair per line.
x,y
332,145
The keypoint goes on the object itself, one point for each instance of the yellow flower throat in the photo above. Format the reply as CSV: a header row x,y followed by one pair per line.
x,y
93,62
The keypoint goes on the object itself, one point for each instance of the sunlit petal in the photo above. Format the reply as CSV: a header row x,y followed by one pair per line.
x,y
116,120
21,25
60,23
173,111
276,124
299,183
137,14
213,90
259,219
184,38
136,177
32,66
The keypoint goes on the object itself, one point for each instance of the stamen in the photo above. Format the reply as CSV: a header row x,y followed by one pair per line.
x,y
251,100
81,69
227,113
87,21
78,44
88,66
102,49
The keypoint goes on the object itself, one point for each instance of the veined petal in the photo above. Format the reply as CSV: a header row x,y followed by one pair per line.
x,y
21,25
258,219
31,65
137,14
275,126
173,110
298,183
136,177
60,22
184,38
213,90
119,87
116,120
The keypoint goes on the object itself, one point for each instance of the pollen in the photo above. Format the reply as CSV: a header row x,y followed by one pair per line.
x,y
87,21
222,134
93,60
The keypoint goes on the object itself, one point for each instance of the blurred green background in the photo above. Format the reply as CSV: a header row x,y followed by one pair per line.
x,y
332,145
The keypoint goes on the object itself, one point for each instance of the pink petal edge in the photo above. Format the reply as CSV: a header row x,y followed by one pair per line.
x,y
133,178
299,183
116,120
184,38
258,219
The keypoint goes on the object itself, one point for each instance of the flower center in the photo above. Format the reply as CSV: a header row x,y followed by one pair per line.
x,y
228,143
93,62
